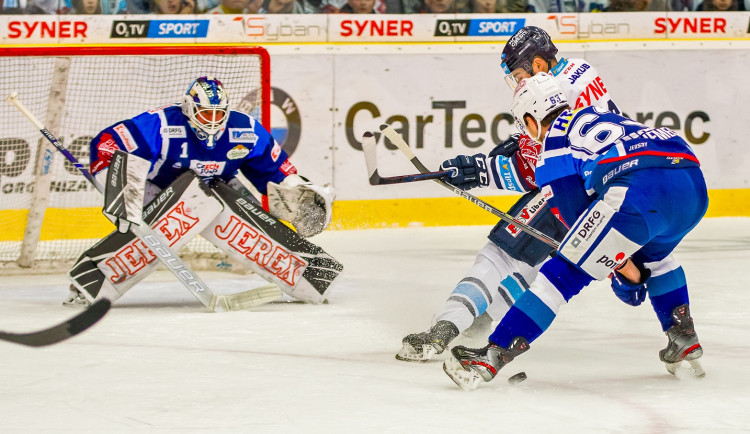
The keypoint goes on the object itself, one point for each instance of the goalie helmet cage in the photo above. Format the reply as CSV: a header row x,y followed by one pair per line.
x,y
49,213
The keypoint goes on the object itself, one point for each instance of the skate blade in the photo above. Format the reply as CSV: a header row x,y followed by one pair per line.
x,y
466,380
694,369
407,353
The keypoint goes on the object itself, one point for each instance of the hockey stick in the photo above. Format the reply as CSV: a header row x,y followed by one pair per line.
x,y
369,148
189,279
62,331
397,140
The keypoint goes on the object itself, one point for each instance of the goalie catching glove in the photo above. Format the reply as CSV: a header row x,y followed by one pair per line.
x,y
303,204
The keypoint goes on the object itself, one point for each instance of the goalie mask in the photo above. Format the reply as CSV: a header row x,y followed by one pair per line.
x,y
207,108
537,96
521,49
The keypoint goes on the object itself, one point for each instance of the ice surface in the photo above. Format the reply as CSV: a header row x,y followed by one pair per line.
x,y
159,363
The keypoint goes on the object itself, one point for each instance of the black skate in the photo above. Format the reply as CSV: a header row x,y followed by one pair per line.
x,y
468,368
683,343
423,347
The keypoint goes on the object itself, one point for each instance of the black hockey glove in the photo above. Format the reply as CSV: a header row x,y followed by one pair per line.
x,y
467,171
506,148
631,293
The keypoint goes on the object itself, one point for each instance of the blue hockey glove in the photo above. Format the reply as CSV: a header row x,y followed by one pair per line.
x,y
506,148
631,293
468,171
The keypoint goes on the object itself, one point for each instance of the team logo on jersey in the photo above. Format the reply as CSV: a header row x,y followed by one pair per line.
x,y
242,135
107,146
529,150
127,139
207,168
174,131
238,152
288,168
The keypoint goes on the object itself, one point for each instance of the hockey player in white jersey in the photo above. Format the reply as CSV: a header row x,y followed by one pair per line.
x,y
180,177
509,262
629,194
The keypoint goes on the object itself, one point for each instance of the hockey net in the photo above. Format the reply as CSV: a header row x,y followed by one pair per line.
x,y
49,213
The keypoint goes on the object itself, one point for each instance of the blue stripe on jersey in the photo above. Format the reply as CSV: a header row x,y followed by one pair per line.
x,y
514,289
535,309
555,167
474,294
575,279
515,323
660,285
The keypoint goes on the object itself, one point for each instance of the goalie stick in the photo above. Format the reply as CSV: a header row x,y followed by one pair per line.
x,y
397,140
188,278
62,331
369,148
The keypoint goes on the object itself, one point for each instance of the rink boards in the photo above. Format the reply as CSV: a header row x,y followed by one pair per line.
x,y
334,80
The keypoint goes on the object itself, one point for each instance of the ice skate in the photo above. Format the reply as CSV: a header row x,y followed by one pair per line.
x,y
76,299
468,368
683,344
423,347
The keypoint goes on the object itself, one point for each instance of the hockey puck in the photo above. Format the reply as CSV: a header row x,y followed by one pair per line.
x,y
517,378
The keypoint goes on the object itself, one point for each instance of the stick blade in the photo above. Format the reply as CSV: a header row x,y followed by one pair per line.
x,y
62,331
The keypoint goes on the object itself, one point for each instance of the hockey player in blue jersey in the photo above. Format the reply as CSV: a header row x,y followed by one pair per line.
x,y
200,141
510,260
628,193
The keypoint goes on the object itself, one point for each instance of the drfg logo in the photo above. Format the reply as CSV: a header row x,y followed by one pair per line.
x,y
589,225
611,263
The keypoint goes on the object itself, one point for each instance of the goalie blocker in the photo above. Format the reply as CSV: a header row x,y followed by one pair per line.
x,y
190,206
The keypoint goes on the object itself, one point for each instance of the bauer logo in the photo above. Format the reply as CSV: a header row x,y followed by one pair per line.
x,y
479,27
178,29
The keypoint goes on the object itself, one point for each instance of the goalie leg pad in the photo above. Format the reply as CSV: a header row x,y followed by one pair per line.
x,y
97,274
265,245
178,213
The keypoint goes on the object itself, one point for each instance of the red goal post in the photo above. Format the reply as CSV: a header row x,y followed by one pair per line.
x,y
76,92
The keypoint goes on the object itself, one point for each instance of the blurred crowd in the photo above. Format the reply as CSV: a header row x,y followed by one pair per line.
x,y
359,6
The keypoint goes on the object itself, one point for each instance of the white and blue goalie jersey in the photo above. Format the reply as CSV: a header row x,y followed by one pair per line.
x,y
164,137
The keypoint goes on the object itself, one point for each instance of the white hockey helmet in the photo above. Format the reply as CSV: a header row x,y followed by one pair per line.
x,y
537,96
206,106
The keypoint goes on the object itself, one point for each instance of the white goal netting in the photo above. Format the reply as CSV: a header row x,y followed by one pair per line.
x,y
49,214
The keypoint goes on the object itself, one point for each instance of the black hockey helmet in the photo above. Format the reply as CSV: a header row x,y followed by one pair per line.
x,y
521,49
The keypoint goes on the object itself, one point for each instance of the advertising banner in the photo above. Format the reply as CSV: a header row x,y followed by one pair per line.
x,y
460,104
371,29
